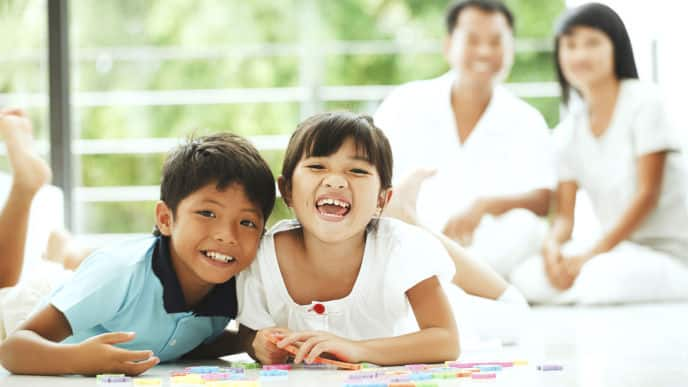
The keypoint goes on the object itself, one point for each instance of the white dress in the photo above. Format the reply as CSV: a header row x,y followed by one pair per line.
x,y
652,264
508,152
396,258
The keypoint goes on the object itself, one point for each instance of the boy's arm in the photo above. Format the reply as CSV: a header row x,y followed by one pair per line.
x,y
437,340
227,343
35,349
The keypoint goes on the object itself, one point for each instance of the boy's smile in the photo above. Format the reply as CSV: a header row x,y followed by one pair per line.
x,y
213,236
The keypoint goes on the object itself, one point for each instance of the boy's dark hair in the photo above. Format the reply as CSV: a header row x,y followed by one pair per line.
x,y
490,6
323,134
603,18
223,159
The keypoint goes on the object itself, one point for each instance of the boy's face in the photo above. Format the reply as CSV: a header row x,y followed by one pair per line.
x,y
334,197
213,235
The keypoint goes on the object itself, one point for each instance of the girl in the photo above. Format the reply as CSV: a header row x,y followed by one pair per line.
x,y
619,147
339,279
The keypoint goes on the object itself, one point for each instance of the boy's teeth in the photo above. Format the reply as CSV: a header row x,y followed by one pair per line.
x,y
215,256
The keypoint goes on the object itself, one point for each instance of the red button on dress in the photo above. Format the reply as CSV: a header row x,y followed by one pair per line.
x,y
319,308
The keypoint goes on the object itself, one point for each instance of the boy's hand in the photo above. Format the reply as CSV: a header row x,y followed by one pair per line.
x,y
265,351
98,355
314,344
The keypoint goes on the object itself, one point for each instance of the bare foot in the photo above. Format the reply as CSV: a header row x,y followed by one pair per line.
x,y
30,172
62,248
403,203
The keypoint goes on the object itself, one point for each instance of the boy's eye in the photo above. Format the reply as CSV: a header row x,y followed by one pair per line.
x,y
360,171
248,223
315,166
206,214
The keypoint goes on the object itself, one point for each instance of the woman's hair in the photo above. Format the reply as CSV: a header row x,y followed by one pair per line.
x,y
603,18
323,134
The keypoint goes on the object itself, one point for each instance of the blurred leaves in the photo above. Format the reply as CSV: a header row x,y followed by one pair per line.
x,y
222,44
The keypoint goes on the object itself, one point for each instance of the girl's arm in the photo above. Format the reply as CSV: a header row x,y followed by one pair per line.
x,y
35,349
437,340
650,174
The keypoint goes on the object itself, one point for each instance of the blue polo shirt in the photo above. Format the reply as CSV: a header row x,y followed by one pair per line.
x,y
133,287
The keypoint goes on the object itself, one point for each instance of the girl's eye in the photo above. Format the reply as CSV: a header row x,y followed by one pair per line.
x,y
248,223
315,166
206,214
359,171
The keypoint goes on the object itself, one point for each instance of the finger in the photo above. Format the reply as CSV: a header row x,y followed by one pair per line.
x,y
295,337
125,355
137,368
115,337
277,332
317,350
306,348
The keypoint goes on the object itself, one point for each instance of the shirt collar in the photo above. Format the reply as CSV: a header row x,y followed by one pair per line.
x,y
221,301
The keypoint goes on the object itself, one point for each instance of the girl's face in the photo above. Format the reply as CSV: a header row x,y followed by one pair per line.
x,y
334,197
586,57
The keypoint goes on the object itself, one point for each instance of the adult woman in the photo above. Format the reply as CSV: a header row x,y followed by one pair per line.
x,y
617,145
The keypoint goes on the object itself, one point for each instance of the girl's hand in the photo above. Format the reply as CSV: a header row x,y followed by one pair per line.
x,y
265,351
98,355
314,344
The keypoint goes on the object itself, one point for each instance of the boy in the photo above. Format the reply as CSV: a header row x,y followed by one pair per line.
x,y
155,299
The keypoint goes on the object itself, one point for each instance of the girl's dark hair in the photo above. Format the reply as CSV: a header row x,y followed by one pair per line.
x,y
323,134
492,6
222,159
603,18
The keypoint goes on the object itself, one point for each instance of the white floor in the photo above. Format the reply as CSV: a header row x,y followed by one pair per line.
x,y
631,345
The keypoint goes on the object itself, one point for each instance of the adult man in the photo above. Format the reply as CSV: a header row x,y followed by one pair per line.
x,y
491,150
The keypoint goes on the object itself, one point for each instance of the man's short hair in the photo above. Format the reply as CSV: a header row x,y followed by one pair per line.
x,y
491,6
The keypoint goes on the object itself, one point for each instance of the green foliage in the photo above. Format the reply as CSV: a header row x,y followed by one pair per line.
x,y
131,45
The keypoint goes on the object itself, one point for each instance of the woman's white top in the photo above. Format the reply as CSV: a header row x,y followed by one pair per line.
x,y
607,166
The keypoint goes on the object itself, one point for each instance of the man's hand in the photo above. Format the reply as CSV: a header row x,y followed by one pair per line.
x,y
98,355
461,226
